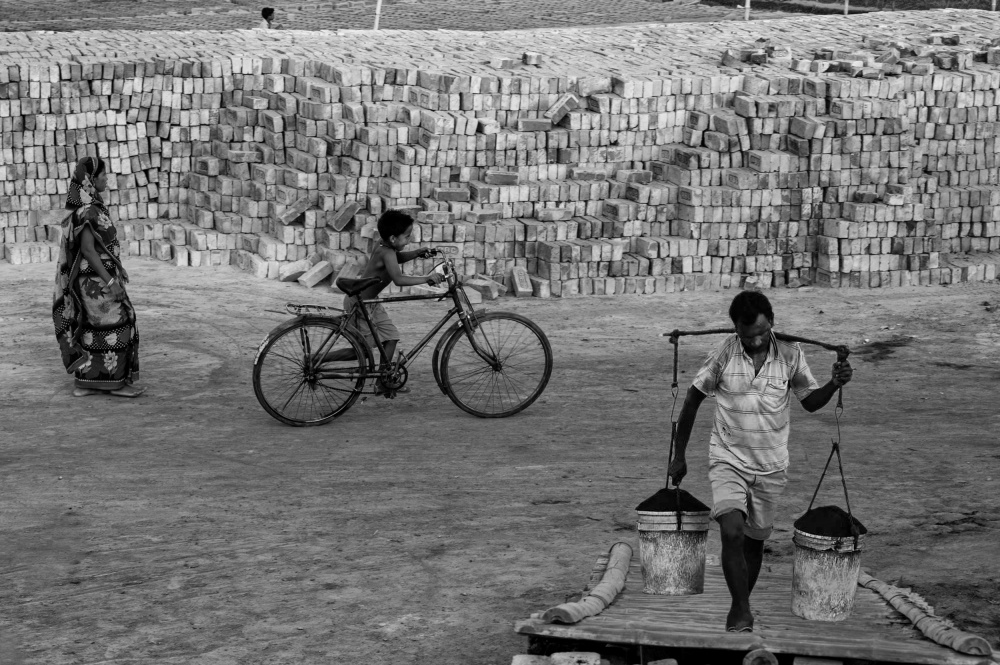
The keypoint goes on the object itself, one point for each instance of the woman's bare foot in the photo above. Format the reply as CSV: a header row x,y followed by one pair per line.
x,y
128,391
83,392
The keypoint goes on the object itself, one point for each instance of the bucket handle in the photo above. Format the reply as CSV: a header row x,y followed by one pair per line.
x,y
677,487
673,434
855,532
842,353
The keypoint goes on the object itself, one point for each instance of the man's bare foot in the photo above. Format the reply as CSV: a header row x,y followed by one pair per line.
x,y
83,392
128,391
739,620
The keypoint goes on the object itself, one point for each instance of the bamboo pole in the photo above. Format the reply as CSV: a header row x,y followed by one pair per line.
x,y
846,2
922,616
746,13
600,596
378,13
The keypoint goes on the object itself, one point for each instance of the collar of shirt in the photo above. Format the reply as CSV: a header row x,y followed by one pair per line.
x,y
772,350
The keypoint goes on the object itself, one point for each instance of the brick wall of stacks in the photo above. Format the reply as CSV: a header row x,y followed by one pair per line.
x,y
853,151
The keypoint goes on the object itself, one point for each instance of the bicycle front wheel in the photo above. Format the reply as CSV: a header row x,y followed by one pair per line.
x,y
519,368
298,390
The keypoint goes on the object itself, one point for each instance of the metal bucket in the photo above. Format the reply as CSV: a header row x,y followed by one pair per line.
x,y
673,560
825,576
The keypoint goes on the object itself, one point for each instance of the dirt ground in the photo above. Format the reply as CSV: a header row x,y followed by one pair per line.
x,y
189,527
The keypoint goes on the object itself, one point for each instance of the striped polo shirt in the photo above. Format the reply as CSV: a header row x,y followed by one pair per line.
x,y
752,412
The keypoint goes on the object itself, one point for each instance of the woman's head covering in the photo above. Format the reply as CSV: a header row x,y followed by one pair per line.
x,y
88,167
267,13
81,187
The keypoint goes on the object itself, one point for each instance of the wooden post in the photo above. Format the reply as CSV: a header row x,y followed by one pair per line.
x,y
746,14
378,13
846,2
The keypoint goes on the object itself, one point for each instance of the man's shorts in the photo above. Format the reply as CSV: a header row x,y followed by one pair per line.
x,y
387,332
756,496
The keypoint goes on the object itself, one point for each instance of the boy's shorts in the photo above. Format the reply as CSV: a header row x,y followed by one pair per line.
x,y
754,495
387,332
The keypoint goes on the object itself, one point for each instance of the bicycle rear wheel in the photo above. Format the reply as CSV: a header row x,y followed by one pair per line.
x,y
300,392
521,369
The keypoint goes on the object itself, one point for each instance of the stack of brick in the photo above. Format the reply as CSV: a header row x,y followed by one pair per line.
x,y
868,164
907,139
52,114
268,182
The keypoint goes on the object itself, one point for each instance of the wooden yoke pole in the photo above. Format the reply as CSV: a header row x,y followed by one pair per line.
x,y
378,13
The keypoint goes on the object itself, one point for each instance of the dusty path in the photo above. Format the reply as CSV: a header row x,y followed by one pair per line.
x,y
189,527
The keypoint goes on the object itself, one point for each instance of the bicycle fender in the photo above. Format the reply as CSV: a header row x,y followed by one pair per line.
x,y
435,359
277,330
285,325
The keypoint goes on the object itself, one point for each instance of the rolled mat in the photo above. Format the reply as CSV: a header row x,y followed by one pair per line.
x,y
601,595
916,609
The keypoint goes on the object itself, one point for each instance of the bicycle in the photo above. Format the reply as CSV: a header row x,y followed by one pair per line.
x,y
314,367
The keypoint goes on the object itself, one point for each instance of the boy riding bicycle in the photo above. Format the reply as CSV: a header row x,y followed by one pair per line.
x,y
394,229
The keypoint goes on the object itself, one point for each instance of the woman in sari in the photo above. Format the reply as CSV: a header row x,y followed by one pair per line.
x,y
94,319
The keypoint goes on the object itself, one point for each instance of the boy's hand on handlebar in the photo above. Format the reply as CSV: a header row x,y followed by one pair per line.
x,y
426,253
435,278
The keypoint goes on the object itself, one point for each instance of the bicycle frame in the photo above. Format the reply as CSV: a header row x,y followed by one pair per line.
x,y
408,357
458,308
465,319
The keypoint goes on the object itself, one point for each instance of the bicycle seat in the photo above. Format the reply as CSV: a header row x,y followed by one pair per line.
x,y
352,287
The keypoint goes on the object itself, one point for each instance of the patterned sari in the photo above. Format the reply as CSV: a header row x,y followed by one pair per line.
x,y
96,331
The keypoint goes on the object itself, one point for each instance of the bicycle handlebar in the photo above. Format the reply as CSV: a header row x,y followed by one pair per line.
x,y
449,264
441,251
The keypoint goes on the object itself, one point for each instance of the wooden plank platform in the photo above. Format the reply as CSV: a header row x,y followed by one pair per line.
x,y
874,632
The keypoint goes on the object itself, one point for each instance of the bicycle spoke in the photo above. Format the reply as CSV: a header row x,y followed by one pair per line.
x,y
479,385
292,360
295,392
322,391
288,386
334,389
523,363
